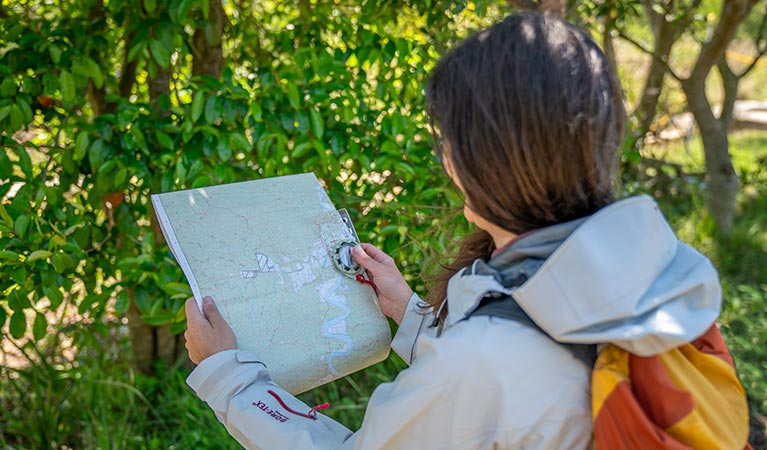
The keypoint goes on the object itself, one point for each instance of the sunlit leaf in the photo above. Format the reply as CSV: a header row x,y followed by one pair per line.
x,y
38,255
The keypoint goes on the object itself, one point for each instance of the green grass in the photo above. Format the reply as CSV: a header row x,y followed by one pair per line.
x,y
97,401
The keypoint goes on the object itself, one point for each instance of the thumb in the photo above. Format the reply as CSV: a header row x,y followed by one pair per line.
x,y
365,260
211,312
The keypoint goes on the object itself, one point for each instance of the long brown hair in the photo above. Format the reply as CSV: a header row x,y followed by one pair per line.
x,y
531,115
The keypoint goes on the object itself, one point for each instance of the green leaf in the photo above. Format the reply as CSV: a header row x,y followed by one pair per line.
x,y
67,85
212,112
179,9
88,68
20,226
50,84
55,53
164,140
26,110
318,126
255,111
9,255
300,149
120,176
40,327
17,118
139,137
97,153
54,295
150,5
137,46
123,302
335,144
197,104
18,324
38,255
94,72
4,111
62,262
175,288
158,318
81,145
224,149
293,95
18,301
3,316
240,141
201,182
160,54
180,171
8,87
19,274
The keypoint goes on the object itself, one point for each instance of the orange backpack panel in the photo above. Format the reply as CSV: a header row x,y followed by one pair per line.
x,y
685,398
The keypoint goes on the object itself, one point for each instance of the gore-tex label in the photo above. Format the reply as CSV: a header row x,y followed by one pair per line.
x,y
262,406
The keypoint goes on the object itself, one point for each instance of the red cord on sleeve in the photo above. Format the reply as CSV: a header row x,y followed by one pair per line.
x,y
312,414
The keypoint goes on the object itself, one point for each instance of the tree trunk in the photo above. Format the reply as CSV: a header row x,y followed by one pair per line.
x,y
206,43
150,343
665,36
722,180
607,39
159,91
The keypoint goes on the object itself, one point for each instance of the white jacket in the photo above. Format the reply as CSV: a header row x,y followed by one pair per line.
x,y
491,383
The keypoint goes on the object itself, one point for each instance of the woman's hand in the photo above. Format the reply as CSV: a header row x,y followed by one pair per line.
x,y
391,288
206,334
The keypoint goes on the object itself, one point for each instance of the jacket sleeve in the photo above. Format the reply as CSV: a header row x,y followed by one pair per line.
x,y
415,322
261,415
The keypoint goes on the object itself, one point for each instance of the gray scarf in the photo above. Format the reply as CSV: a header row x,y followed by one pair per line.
x,y
520,260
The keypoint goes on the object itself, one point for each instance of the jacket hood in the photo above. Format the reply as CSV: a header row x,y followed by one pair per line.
x,y
619,276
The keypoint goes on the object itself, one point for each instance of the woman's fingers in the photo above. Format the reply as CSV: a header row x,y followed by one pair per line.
x,y
376,253
193,315
212,314
366,260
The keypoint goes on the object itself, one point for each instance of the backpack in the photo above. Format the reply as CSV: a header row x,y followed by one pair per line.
x,y
685,398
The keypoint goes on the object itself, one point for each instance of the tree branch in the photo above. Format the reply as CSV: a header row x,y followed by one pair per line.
x,y
761,45
732,14
730,84
655,55
128,76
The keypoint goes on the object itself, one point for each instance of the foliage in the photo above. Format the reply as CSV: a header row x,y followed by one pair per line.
x,y
310,88
93,399
104,103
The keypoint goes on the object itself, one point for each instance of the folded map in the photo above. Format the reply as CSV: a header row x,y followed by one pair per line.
x,y
275,256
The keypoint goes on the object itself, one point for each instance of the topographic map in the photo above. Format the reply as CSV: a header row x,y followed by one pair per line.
x,y
262,249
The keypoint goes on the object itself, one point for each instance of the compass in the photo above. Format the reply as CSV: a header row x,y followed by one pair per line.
x,y
343,259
